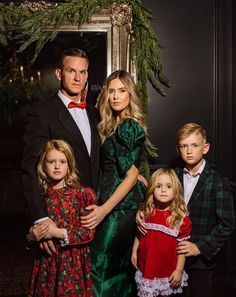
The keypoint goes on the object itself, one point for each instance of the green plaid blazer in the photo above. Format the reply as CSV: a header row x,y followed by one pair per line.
x,y
211,210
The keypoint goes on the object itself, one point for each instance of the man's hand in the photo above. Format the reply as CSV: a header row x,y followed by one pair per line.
x,y
48,247
38,232
187,248
140,222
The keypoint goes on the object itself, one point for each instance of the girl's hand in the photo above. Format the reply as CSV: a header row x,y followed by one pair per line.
x,y
37,232
175,278
54,232
143,180
95,217
134,259
140,220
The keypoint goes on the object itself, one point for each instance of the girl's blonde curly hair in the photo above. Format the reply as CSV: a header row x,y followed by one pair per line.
x,y
178,208
62,146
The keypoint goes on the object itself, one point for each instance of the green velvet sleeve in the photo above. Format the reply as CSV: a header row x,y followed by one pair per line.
x,y
128,141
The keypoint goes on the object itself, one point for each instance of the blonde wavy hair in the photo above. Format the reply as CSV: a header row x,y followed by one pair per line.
x,y
62,146
134,110
189,129
178,208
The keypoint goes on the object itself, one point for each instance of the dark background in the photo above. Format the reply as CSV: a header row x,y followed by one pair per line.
x,y
93,43
198,46
197,49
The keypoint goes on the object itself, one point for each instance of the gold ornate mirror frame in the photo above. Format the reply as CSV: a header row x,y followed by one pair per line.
x,y
115,21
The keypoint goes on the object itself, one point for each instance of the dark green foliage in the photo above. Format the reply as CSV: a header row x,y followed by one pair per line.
x,y
32,28
26,94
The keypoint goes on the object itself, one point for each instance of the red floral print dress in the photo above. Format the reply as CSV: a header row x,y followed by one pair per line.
x,y
67,273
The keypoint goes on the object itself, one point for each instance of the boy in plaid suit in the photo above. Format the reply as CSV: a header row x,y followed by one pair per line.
x,y
210,204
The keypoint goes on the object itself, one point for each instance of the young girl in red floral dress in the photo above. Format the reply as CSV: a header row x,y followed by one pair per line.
x,y
160,271
66,272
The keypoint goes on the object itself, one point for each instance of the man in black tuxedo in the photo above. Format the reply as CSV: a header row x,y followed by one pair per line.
x,y
65,116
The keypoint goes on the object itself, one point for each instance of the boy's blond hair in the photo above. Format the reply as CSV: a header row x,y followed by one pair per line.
x,y
188,129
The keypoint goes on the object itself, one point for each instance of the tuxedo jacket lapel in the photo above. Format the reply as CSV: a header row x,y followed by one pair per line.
x,y
95,142
68,122
203,179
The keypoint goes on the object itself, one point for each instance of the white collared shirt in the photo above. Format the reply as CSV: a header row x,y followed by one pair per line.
x,y
81,119
190,181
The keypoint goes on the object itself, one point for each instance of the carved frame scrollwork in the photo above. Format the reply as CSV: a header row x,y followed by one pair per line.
x,y
116,21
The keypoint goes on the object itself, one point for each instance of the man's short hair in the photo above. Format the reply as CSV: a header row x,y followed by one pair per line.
x,y
72,52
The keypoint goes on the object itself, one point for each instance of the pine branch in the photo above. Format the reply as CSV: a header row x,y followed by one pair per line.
x,y
31,28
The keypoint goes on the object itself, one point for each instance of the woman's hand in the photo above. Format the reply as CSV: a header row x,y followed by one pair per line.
x,y
140,222
93,219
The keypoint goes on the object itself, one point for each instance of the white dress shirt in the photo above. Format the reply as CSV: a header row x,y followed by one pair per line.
x,y
190,181
81,119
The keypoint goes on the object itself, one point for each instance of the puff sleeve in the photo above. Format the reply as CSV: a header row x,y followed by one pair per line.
x,y
65,206
77,234
128,141
185,229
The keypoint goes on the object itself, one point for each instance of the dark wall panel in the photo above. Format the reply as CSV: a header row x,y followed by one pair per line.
x,y
195,46
234,95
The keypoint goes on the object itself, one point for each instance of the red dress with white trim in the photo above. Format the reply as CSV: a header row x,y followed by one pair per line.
x,y
157,256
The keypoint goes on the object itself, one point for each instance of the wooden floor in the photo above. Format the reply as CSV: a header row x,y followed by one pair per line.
x,y
16,261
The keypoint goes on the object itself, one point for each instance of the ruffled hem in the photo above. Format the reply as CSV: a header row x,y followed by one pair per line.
x,y
157,286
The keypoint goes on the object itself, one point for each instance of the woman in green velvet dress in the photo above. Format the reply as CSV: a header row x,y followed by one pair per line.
x,y
123,133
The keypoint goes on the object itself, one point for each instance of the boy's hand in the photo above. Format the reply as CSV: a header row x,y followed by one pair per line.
x,y
187,248
140,222
175,278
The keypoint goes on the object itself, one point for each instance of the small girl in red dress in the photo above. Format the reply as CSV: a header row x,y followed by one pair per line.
x,y
160,271
66,272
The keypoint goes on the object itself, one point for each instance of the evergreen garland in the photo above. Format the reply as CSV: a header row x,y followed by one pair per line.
x,y
29,27
146,54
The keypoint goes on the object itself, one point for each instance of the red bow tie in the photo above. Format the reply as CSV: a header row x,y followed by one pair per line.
x,y
73,104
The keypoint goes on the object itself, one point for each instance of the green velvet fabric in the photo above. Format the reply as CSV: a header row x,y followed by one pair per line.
x,y
112,272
